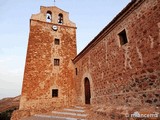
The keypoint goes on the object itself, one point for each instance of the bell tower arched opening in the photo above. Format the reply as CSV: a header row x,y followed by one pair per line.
x,y
49,16
60,18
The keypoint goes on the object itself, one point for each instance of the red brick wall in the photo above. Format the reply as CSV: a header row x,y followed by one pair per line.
x,y
127,74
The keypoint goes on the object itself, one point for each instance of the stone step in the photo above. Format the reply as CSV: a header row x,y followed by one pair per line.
x,y
49,117
44,118
79,107
73,113
74,110
57,117
70,113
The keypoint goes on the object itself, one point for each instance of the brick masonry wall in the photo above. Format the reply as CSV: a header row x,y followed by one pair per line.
x,y
128,74
41,76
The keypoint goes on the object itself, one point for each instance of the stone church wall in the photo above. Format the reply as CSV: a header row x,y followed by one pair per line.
x,y
41,74
129,74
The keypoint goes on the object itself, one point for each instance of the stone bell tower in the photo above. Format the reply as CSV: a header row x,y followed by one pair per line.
x,y
49,71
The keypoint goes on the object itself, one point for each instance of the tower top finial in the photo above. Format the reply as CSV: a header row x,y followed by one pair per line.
x,y
54,2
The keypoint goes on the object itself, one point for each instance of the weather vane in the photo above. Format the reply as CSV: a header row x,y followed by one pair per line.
x,y
54,2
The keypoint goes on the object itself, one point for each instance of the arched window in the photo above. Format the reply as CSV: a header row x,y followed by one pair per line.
x,y
49,16
60,18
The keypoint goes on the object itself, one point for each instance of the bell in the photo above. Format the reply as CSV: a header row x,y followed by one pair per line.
x,y
48,17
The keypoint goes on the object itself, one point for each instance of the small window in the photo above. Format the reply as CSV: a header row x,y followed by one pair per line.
x,y
56,62
123,37
54,92
57,41
76,71
60,18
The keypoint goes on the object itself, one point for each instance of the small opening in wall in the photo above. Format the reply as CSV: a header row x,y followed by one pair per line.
x,y
76,71
49,16
123,37
57,41
54,92
60,18
56,62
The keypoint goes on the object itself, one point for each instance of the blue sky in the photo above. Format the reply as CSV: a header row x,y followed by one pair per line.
x,y
90,18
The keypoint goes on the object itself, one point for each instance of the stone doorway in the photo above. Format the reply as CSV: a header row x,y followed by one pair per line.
x,y
87,91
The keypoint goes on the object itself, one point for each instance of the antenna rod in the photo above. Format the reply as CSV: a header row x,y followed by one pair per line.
x,y
54,2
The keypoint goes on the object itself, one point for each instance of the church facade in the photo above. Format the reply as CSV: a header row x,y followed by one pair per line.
x,y
119,67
